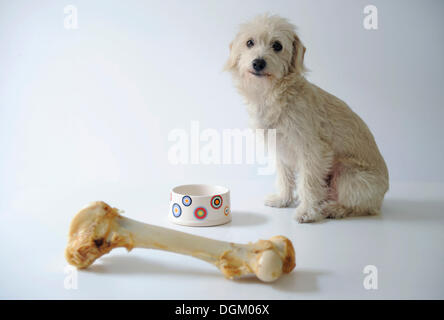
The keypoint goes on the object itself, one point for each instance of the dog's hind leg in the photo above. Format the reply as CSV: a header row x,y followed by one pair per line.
x,y
355,192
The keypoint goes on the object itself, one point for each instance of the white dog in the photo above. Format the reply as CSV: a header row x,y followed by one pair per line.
x,y
340,171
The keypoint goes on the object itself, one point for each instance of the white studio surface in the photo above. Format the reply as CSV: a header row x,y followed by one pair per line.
x,y
85,115
405,245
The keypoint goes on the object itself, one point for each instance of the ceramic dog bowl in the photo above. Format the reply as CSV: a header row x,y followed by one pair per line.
x,y
199,205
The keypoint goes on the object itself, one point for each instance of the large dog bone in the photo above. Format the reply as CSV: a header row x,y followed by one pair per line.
x,y
99,228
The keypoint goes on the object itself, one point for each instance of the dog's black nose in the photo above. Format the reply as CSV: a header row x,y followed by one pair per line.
x,y
259,64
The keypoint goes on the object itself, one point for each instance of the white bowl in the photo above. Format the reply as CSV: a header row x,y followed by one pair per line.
x,y
200,205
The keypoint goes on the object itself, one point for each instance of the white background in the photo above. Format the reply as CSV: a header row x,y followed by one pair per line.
x,y
85,115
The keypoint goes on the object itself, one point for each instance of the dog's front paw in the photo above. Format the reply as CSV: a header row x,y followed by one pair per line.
x,y
306,214
277,201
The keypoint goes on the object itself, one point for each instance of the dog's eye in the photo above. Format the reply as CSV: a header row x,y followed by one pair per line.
x,y
250,43
277,46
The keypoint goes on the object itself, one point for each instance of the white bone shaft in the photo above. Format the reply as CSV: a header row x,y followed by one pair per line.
x,y
155,237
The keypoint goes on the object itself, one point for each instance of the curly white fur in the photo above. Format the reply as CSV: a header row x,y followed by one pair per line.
x,y
340,171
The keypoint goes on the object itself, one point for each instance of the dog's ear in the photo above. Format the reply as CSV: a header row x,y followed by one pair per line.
x,y
232,60
297,61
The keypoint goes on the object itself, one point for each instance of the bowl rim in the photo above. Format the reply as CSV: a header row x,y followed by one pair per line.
x,y
226,190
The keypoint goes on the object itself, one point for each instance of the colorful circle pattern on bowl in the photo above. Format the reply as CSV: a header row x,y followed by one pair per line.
x,y
186,200
177,210
200,213
200,205
216,202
